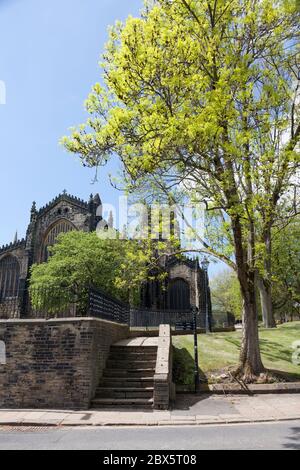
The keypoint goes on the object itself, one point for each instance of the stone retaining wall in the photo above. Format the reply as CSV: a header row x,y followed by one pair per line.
x,y
54,363
164,389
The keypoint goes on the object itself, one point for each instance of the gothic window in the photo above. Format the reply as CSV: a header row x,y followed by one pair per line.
x,y
179,295
62,226
9,277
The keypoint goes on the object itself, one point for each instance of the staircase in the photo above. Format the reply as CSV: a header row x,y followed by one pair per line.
x,y
128,379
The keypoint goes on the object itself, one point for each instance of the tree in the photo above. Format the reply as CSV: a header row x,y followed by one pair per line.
x,y
226,294
275,219
191,91
219,234
79,260
286,269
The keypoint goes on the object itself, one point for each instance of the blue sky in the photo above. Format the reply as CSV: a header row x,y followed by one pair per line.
x,y
48,62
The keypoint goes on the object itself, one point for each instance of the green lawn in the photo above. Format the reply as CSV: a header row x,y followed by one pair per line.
x,y
218,351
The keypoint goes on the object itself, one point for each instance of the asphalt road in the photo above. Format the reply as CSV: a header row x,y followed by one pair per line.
x,y
281,435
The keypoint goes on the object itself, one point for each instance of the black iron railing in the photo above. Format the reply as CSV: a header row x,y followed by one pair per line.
x,y
104,306
43,303
61,302
55,302
141,317
10,304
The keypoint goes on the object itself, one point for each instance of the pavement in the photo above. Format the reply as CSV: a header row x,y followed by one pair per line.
x,y
189,410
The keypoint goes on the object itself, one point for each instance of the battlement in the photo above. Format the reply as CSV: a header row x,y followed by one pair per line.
x,y
13,245
63,197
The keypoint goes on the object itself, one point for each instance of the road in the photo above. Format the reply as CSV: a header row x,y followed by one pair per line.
x,y
280,435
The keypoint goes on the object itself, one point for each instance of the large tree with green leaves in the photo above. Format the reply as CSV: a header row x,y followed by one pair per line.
x,y
226,294
192,92
286,269
80,260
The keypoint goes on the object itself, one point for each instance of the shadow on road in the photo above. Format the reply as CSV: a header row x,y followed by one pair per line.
x,y
294,439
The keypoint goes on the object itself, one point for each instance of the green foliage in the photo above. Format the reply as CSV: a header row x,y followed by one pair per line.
x,y
201,91
204,94
226,293
286,268
219,351
218,233
79,260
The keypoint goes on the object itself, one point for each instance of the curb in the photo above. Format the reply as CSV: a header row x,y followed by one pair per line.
x,y
257,389
165,423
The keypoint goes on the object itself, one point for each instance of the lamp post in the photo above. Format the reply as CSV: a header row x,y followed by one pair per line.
x,y
205,264
196,360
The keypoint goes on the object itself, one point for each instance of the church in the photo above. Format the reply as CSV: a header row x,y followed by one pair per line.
x,y
186,283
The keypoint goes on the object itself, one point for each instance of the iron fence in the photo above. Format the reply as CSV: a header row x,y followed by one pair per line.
x,y
140,317
102,305
148,318
43,303
55,302
61,302
10,305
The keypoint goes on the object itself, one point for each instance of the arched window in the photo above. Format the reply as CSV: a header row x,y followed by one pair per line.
x,y
62,226
9,277
179,295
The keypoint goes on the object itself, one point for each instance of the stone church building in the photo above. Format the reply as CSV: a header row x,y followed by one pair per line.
x,y
186,283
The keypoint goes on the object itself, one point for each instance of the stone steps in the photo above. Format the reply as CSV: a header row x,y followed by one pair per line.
x,y
124,392
133,349
130,364
129,373
121,402
133,356
128,379
113,382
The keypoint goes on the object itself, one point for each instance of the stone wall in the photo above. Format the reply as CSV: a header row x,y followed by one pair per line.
x,y
164,389
54,363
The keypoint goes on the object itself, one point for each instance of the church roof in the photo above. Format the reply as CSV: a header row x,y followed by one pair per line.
x,y
64,196
13,245
190,262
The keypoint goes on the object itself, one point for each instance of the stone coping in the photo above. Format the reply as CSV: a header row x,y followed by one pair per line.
x,y
44,321
163,352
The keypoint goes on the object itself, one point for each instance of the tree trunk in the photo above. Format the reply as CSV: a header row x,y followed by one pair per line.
x,y
265,285
266,302
251,365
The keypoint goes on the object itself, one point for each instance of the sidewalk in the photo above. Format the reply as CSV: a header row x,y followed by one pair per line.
x,y
188,410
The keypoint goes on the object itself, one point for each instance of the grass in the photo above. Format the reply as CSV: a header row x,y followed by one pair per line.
x,y
219,351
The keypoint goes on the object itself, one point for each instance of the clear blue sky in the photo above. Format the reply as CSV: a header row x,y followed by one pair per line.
x,y
48,62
